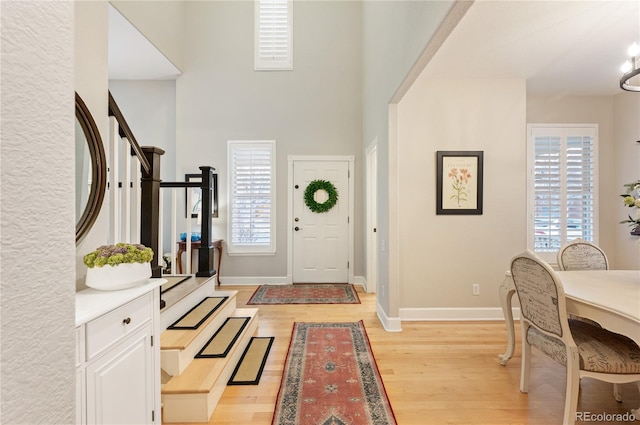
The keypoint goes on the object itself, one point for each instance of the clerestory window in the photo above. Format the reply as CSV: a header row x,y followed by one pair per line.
x,y
273,32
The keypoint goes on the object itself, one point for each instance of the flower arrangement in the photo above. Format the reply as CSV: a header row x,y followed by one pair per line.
x,y
632,199
120,253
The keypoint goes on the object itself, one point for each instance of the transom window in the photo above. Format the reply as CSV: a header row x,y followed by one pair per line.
x,y
562,182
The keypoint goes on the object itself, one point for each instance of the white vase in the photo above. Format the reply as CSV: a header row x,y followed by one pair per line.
x,y
122,276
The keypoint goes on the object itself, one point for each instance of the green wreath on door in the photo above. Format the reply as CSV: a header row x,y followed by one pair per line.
x,y
309,196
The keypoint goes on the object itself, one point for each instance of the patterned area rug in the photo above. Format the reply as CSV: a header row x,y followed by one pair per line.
x,y
331,378
319,293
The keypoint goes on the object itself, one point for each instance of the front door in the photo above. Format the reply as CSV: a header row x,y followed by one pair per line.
x,y
320,239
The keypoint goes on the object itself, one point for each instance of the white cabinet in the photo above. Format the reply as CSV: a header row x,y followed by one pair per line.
x,y
118,372
118,387
80,382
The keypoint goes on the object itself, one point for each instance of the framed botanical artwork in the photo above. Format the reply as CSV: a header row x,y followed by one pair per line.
x,y
459,182
196,196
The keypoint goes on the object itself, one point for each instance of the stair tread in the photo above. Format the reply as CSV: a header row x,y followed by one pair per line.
x,y
179,339
179,292
201,374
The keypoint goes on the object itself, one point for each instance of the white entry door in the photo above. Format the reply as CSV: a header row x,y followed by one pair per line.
x,y
320,240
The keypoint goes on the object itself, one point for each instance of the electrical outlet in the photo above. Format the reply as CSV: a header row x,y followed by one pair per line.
x,y
476,288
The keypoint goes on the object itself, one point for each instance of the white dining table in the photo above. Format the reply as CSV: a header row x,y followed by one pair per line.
x,y
610,297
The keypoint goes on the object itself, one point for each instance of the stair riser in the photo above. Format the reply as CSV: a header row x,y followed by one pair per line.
x,y
198,407
185,408
173,313
174,362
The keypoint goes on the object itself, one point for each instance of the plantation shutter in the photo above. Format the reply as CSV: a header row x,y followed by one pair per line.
x,y
273,35
547,192
252,197
562,186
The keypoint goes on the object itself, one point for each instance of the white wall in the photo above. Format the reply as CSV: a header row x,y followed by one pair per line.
x,y
161,22
37,378
626,165
313,110
91,83
619,159
441,256
394,34
588,110
150,110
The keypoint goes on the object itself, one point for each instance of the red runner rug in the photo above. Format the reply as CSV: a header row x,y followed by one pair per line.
x,y
318,293
331,378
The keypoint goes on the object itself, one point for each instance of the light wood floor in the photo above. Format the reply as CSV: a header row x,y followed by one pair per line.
x,y
434,372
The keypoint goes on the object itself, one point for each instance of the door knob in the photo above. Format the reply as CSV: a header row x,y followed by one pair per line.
x,y
296,219
296,228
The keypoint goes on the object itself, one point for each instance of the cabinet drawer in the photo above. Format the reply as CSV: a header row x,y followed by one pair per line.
x,y
111,327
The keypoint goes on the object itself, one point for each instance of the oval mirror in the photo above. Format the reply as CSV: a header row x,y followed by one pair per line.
x,y
91,170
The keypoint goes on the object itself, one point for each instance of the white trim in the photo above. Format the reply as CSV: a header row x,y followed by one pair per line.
x,y
563,129
455,314
390,324
282,64
273,280
352,218
251,254
253,280
113,176
371,215
251,250
360,281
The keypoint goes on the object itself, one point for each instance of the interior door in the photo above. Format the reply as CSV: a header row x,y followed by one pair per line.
x,y
320,240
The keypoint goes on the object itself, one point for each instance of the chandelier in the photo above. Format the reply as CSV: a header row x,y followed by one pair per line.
x,y
630,69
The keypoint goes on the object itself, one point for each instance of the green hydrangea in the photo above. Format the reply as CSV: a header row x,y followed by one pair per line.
x,y
120,253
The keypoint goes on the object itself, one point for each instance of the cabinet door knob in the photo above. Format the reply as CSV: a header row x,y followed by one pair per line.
x,y
126,321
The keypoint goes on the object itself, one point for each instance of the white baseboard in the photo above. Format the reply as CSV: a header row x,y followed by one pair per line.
x,y
360,281
273,280
390,324
454,314
253,280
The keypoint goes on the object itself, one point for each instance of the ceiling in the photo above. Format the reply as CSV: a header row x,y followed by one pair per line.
x,y
132,56
559,47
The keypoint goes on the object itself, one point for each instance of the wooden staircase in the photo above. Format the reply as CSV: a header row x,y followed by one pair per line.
x,y
192,386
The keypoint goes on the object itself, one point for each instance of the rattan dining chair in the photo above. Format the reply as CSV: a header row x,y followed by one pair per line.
x,y
587,351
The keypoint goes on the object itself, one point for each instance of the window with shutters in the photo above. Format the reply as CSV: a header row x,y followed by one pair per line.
x,y
252,195
273,35
562,181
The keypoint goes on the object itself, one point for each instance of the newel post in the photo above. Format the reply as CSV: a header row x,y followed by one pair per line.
x,y
150,214
205,253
